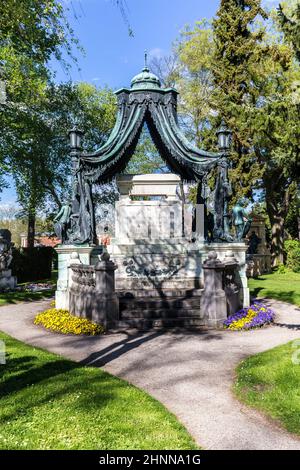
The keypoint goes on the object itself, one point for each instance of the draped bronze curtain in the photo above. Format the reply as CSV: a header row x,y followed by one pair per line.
x,y
158,111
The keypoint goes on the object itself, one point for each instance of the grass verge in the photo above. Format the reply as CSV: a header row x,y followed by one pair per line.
x,y
285,287
48,402
270,382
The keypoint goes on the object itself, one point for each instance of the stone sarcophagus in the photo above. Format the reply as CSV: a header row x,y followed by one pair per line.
x,y
150,246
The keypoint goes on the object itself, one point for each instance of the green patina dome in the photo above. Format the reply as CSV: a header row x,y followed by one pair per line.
x,y
145,81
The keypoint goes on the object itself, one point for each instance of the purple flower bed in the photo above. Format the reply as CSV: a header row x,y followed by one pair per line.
x,y
247,318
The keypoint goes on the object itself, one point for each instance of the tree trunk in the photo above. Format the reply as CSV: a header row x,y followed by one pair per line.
x,y
277,238
278,198
31,229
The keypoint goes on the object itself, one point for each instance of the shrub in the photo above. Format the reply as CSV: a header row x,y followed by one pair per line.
x,y
62,321
292,249
282,269
248,318
32,264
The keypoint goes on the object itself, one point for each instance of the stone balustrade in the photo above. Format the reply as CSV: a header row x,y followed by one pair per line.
x,y
83,275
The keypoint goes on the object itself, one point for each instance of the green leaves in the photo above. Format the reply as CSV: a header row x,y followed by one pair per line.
x,y
31,33
244,70
35,140
289,19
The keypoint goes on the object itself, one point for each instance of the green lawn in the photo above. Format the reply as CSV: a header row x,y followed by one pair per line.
x,y
23,296
19,296
270,381
284,287
47,402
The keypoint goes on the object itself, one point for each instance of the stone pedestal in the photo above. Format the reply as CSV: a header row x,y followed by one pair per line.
x,y
92,292
106,308
154,259
232,286
67,255
213,300
238,250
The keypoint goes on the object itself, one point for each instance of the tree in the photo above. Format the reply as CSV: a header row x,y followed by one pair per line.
x,y
166,69
35,116
146,158
254,75
38,153
10,219
237,48
195,83
31,33
243,71
289,19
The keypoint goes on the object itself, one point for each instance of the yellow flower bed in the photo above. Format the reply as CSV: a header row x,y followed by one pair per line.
x,y
62,321
239,324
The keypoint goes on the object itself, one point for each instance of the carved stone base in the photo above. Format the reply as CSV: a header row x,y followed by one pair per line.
x,y
161,269
70,254
159,265
170,264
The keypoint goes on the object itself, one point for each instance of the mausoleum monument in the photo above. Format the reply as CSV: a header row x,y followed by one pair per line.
x,y
169,262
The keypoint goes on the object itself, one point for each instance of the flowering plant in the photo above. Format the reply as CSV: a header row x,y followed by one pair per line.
x,y
62,321
247,318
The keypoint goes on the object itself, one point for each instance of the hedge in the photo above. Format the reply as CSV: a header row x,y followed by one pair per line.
x,y
32,264
292,250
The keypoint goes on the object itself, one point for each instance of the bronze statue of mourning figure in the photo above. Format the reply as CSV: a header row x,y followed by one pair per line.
x,y
240,220
62,221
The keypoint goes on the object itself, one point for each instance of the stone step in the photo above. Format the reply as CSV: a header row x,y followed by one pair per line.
x,y
154,323
159,304
160,313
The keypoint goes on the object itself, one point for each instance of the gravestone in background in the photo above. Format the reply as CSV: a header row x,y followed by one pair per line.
x,y
7,281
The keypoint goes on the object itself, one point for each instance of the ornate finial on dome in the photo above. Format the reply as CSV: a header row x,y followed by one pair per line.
x,y
146,68
145,80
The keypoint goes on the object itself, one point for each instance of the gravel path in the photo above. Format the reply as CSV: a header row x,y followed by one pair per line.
x,y
190,372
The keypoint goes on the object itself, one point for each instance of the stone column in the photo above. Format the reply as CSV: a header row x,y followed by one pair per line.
x,y
213,300
106,307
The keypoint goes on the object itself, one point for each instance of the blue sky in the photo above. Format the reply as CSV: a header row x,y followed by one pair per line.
x,y
112,57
